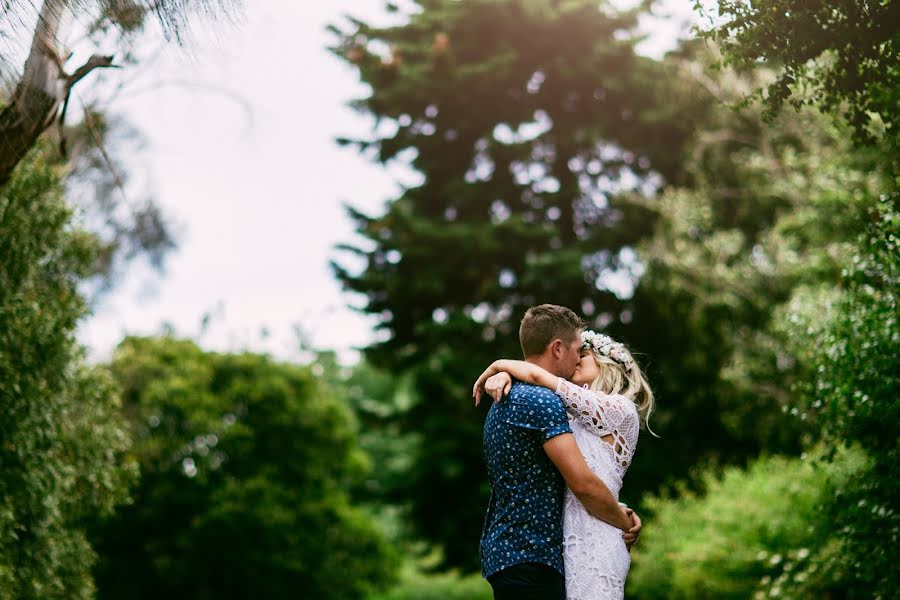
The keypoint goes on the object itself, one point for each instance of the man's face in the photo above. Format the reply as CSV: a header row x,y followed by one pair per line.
x,y
570,357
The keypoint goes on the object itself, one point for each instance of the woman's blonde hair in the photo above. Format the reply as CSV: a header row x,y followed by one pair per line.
x,y
615,379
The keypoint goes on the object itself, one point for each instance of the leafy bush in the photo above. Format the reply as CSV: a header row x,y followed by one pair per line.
x,y
748,530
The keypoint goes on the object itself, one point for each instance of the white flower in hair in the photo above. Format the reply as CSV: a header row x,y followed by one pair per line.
x,y
605,345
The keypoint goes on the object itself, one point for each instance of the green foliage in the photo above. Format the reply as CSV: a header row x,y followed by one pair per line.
x,y
854,390
775,212
789,238
62,438
246,465
379,401
526,120
752,533
842,55
850,342
442,586
542,141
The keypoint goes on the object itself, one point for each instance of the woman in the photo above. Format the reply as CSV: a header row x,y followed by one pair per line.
x,y
608,400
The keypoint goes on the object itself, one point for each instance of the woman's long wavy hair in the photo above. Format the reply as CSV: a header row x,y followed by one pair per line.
x,y
614,379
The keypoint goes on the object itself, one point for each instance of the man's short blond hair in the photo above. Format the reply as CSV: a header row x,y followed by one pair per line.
x,y
544,323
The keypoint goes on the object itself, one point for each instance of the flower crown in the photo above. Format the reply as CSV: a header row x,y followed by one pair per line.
x,y
605,345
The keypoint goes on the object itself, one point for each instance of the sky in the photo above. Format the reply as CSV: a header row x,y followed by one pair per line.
x,y
243,161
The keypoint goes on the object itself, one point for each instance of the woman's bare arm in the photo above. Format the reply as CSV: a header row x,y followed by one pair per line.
x,y
518,369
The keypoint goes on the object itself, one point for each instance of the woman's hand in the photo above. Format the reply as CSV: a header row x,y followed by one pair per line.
x,y
478,388
517,369
498,385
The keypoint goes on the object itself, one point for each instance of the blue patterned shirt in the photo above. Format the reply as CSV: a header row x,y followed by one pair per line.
x,y
524,517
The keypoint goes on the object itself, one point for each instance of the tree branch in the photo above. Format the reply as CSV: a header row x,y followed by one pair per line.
x,y
98,139
97,61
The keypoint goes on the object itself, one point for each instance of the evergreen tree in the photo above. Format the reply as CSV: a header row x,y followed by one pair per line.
x,y
527,120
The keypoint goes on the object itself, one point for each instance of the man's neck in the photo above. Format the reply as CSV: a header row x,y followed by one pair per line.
x,y
545,362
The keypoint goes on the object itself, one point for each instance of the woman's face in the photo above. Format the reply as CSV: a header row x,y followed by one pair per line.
x,y
587,370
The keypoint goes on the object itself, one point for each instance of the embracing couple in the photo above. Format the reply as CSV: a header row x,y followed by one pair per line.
x,y
558,439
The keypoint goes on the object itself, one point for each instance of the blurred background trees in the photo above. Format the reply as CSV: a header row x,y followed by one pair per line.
x,y
247,462
525,141
729,210
755,532
697,242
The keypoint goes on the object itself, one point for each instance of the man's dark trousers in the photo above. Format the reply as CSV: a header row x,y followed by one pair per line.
x,y
528,581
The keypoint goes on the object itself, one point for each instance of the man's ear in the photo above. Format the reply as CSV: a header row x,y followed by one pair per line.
x,y
556,348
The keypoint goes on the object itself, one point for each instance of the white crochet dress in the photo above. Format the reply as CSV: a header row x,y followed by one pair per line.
x,y
596,559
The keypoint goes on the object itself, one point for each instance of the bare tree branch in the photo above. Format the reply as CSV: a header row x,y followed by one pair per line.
x,y
41,93
98,139
96,61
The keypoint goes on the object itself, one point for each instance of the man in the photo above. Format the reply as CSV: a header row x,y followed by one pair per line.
x,y
531,456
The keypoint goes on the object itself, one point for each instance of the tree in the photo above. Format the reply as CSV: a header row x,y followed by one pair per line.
x,y
839,336
246,469
843,55
789,236
775,209
526,121
378,400
41,94
847,340
38,101
63,441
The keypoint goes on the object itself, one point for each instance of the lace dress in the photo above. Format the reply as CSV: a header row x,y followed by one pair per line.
x,y
595,555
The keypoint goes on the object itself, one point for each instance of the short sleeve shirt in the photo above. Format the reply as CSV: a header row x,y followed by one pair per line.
x,y
524,517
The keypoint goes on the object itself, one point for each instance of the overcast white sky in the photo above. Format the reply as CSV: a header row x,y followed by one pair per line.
x,y
260,200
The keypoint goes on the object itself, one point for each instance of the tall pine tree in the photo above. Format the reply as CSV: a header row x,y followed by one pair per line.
x,y
527,120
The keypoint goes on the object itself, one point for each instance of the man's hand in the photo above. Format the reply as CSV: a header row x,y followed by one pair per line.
x,y
631,536
498,385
